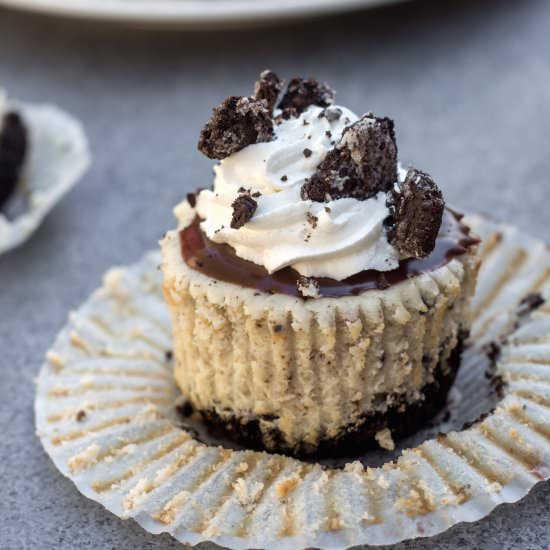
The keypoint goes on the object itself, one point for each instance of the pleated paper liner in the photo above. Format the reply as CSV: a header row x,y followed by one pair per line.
x,y
106,415
57,157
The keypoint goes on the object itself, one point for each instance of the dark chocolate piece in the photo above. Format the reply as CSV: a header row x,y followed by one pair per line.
x,y
236,123
243,210
302,93
268,89
363,163
416,212
13,149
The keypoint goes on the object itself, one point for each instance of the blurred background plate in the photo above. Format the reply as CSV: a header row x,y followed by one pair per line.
x,y
191,13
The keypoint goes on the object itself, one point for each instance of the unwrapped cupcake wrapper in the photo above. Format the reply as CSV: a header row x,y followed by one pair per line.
x,y
58,156
105,413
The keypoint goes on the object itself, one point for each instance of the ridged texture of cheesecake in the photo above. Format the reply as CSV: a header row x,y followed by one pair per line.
x,y
304,371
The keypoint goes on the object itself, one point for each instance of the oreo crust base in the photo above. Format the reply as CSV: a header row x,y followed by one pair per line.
x,y
402,419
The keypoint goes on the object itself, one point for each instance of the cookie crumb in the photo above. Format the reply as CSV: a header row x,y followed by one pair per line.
x,y
244,208
81,416
307,152
308,287
312,220
384,439
529,303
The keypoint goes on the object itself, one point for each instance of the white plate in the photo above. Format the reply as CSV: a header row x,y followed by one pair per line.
x,y
191,13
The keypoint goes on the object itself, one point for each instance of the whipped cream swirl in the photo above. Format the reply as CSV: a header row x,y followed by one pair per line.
x,y
334,239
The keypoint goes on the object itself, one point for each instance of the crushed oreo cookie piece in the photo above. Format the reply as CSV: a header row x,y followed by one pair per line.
x,y
372,145
302,93
192,199
13,149
307,152
243,210
416,211
308,287
268,89
236,123
361,165
336,177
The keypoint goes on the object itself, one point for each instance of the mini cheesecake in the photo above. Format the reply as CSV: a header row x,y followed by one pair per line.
x,y
319,294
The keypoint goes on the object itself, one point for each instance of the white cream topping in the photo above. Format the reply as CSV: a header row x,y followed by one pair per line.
x,y
335,239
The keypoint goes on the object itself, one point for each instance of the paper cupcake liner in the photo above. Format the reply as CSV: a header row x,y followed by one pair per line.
x,y
58,156
105,413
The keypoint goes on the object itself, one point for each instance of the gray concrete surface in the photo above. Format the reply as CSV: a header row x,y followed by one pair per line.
x,y
468,83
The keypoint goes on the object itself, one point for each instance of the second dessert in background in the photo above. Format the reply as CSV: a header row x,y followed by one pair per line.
x,y
319,293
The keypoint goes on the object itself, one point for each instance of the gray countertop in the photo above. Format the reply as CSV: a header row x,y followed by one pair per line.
x,y
468,83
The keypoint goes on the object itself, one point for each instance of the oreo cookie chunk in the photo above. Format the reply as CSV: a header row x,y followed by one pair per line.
x,y
363,163
303,92
268,89
236,123
13,148
416,210
243,210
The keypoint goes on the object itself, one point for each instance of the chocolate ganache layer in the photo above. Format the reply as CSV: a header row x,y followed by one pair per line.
x,y
220,262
